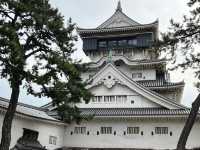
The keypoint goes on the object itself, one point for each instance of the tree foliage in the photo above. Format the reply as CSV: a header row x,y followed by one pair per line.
x,y
183,40
182,45
35,52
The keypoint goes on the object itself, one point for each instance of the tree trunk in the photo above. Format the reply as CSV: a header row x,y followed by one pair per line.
x,y
7,123
189,124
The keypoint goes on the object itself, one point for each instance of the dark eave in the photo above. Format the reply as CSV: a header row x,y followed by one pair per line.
x,y
161,84
133,63
130,29
132,112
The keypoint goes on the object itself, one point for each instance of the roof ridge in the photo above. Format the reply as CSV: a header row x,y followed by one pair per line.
x,y
129,60
23,104
116,16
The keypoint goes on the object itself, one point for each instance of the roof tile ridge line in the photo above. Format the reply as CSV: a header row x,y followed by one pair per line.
x,y
129,27
45,105
136,108
99,27
176,83
23,104
156,94
131,18
101,61
140,86
21,113
136,61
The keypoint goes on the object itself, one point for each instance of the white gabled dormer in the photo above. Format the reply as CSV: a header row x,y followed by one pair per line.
x,y
113,88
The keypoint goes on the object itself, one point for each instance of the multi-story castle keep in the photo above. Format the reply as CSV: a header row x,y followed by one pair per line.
x,y
135,106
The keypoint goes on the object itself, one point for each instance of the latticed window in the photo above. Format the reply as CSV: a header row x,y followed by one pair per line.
x,y
136,75
122,42
112,43
102,44
132,42
97,99
121,98
161,130
52,140
109,99
80,130
133,130
106,130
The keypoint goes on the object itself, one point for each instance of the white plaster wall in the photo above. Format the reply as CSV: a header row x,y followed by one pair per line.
x,y
175,95
147,74
102,90
45,130
131,141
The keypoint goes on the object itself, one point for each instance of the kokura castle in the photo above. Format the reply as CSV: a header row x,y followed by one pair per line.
x,y
135,106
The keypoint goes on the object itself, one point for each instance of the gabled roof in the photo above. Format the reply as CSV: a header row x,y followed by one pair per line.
x,y
118,19
119,22
140,89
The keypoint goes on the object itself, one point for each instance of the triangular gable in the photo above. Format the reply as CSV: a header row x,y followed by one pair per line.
x,y
118,19
109,69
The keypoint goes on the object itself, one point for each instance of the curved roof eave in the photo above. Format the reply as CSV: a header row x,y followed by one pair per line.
x,y
117,29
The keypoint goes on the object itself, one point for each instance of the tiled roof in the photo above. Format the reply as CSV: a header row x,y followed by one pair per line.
x,y
101,112
126,60
118,29
28,110
118,19
161,83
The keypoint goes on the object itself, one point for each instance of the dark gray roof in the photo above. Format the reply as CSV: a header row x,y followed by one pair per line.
x,y
28,110
151,26
128,61
133,112
118,19
160,83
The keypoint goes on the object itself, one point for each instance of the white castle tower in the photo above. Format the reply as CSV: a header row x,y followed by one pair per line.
x,y
135,106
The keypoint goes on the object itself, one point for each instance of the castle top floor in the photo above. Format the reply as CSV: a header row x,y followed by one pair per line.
x,y
120,34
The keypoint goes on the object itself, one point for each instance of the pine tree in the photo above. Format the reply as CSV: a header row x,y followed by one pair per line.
x,y
35,49
181,42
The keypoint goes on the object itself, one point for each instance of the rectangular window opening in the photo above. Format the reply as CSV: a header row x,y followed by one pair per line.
x,y
161,130
106,130
136,75
52,140
79,130
133,130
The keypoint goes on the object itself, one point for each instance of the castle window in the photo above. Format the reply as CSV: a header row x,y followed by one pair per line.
x,y
80,130
52,140
132,42
161,130
110,99
112,43
133,130
97,99
106,130
121,98
136,75
102,44
122,42
132,102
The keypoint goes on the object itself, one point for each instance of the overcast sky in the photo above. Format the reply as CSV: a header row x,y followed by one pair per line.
x,y
91,13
